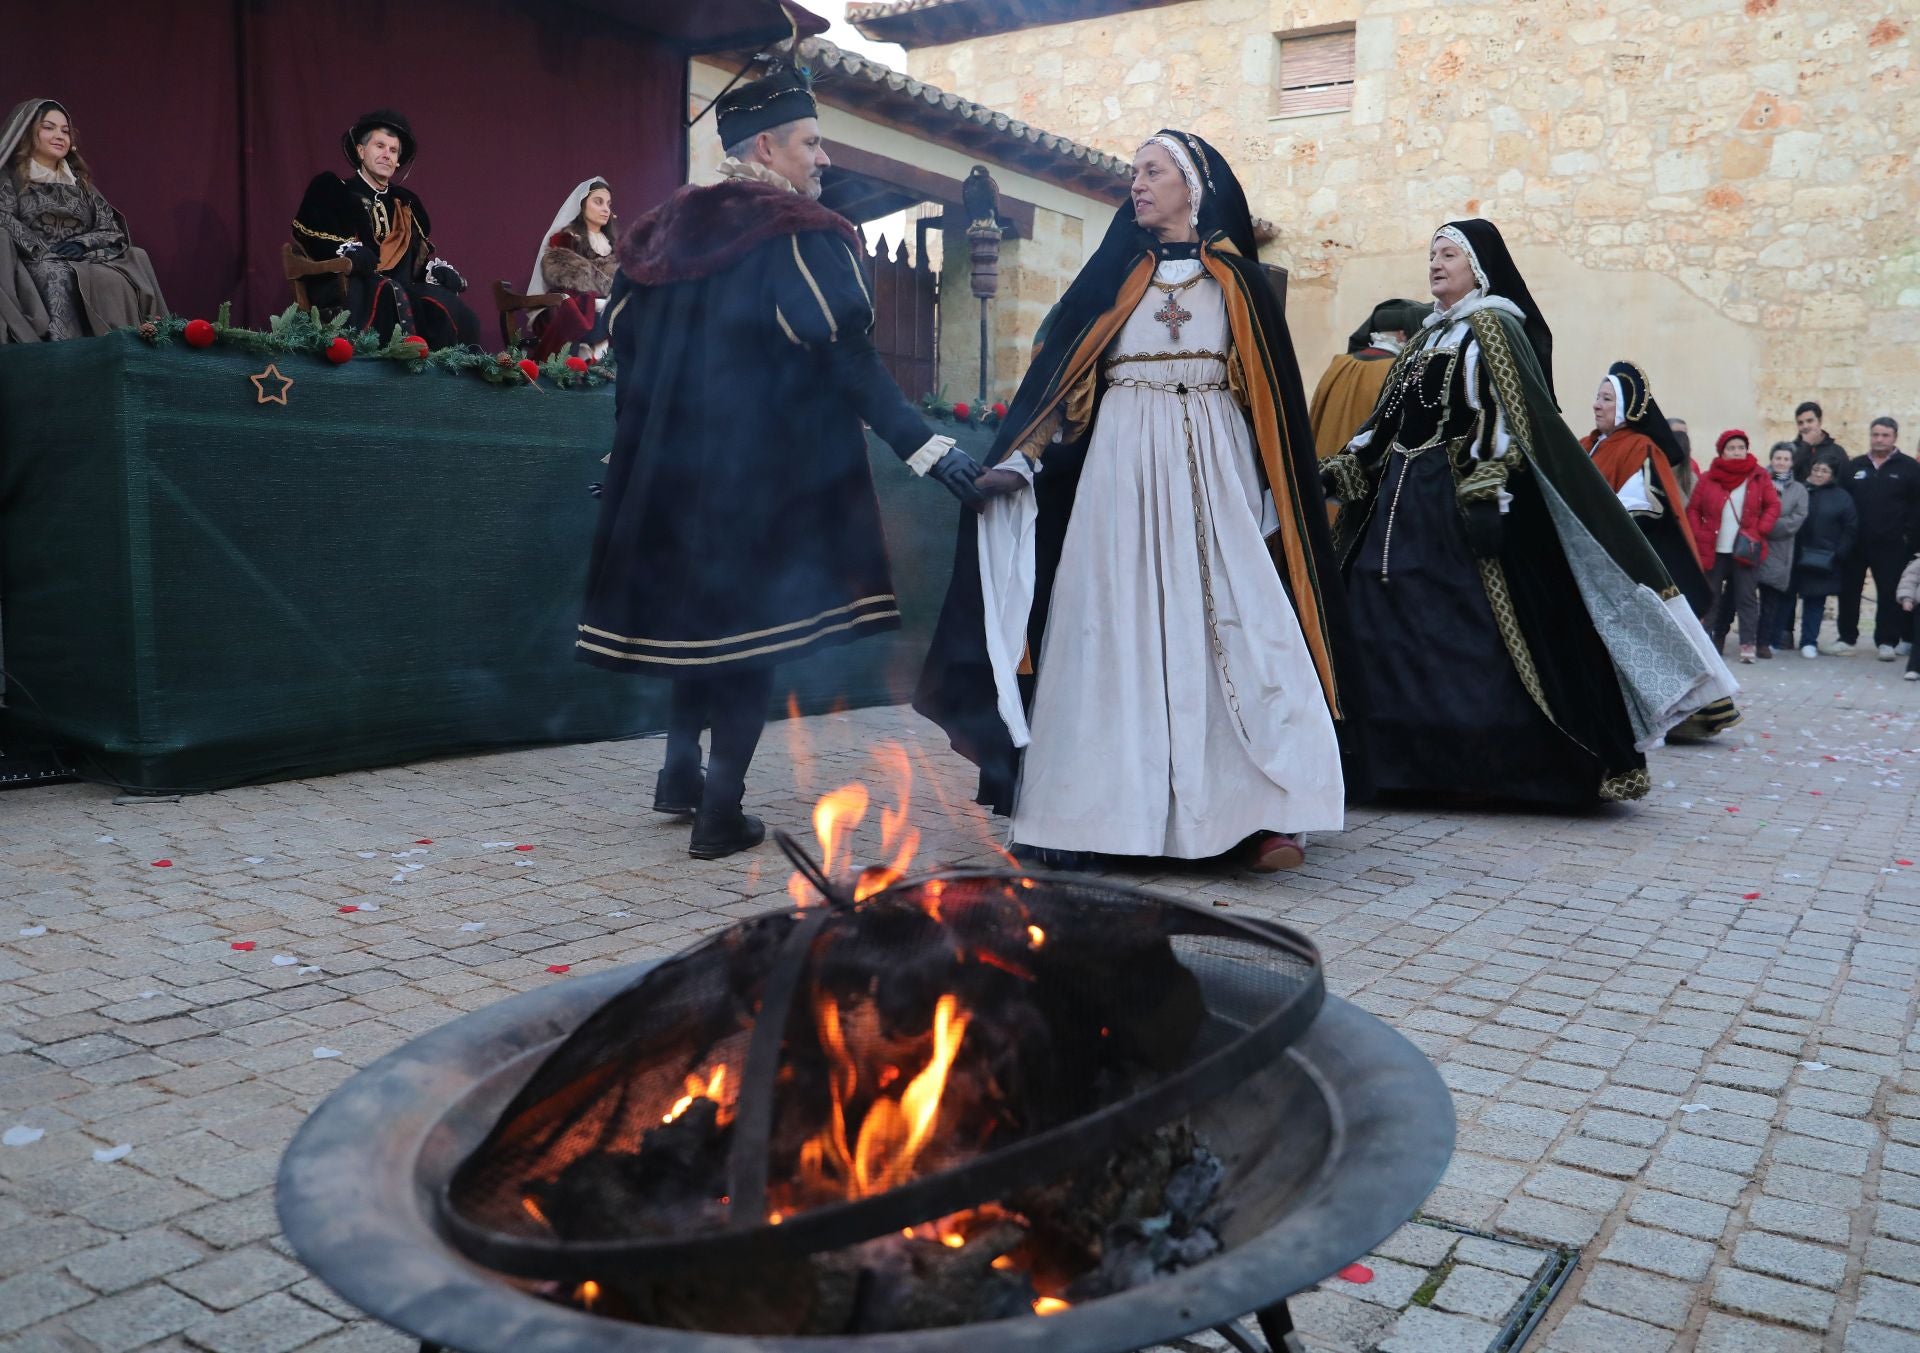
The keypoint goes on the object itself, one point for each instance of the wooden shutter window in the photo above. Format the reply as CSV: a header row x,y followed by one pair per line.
x,y
1316,73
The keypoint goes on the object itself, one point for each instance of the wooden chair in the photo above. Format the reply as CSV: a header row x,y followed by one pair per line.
x,y
510,305
298,268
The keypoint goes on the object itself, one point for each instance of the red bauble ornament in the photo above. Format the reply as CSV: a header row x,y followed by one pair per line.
x,y
198,333
999,411
576,364
340,350
529,368
963,412
417,343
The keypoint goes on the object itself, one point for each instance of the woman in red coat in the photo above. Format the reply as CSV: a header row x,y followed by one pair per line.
x,y
1732,508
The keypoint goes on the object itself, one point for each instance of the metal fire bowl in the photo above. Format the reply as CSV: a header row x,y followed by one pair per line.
x,y
1329,1150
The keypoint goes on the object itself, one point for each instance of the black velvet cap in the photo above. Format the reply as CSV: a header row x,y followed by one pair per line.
x,y
782,97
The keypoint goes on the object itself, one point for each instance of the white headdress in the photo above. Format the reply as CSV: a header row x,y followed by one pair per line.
x,y
1473,259
1183,161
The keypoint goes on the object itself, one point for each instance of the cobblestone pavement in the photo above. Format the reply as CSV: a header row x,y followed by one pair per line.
x,y
1679,1034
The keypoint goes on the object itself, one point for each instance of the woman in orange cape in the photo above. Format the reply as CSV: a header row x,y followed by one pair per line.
x,y
1140,654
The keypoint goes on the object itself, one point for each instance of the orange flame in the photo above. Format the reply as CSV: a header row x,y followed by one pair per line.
x,y
588,1293
894,1131
710,1088
838,813
1050,1305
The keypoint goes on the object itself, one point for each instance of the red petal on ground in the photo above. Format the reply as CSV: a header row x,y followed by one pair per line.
x,y
1903,862
1814,792
424,841
1732,809
1750,897
349,909
1356,1273
523,847
163,864
242,945
558,967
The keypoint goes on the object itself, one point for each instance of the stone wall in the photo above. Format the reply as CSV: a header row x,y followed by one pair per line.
x,y
1723,190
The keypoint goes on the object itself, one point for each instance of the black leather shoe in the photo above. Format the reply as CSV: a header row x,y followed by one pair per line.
x,y
721,832
679,794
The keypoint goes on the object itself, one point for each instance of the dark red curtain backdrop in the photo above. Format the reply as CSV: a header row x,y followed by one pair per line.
x,y
203,122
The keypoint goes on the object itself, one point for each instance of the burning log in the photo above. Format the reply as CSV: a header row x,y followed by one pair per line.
x,y
671,1180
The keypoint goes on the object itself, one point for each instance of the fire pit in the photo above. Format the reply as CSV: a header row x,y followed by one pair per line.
x,y
701,1145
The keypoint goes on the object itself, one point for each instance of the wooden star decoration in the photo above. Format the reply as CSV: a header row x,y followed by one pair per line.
x,y
271,376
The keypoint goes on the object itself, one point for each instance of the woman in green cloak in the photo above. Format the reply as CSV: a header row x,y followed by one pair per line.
x,y
1519,640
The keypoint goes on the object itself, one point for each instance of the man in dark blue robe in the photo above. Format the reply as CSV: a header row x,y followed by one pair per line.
x,y
738,526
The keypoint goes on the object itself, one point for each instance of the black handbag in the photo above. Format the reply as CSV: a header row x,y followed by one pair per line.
x,y
1816,561
1746,550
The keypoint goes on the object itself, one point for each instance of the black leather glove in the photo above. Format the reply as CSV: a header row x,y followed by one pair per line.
x,y
957,471
1485,530
68,249
365,264
441,274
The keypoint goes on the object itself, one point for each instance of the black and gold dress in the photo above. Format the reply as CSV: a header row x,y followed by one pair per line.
x,y
1517,638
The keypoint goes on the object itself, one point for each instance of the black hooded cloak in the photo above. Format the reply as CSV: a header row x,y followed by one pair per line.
x,y
738,526
1645,439
1058,398
1484,557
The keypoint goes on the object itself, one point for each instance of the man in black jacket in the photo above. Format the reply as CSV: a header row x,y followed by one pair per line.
x,y
1886,489
1813,444
383,230
738,527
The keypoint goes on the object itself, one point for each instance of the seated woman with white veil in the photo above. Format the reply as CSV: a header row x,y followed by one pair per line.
x,y
577,258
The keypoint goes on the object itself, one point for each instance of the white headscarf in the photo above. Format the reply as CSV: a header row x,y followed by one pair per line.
x,y
1184,163
569,211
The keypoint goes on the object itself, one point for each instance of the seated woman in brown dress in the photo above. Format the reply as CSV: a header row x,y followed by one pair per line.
x,y
578,258
67,267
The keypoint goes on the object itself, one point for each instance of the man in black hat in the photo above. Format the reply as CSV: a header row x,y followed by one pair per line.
x,y
738,525
397,279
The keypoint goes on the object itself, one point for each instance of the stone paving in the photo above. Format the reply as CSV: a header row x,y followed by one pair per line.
x,y
1680,1035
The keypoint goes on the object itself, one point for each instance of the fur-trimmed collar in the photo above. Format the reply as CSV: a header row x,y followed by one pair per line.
x,y
731,168
702,231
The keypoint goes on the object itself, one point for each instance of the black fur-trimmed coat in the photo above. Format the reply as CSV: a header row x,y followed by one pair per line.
x,y
738,526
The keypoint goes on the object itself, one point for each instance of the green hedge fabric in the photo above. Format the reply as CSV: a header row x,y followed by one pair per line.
x,y
199,590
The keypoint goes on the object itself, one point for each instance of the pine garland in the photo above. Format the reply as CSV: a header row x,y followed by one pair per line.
x,y
305,332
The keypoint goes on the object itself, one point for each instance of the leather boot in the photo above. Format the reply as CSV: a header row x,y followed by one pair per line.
x,y
678,792
719,832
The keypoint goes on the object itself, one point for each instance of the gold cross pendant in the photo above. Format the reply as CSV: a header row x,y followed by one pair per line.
x,y
1173,315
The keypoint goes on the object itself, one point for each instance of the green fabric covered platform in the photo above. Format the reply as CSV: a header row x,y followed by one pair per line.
x,y
200,590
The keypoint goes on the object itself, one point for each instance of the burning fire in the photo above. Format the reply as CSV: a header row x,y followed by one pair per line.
x,y
893,1131
840,811
711,1088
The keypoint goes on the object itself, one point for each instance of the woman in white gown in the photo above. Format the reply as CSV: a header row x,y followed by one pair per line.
x,y
1166,569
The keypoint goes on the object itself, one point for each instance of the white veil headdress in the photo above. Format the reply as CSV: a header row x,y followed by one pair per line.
x,y
1183,161
568,213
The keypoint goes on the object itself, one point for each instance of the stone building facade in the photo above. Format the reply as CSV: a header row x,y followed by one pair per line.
x,y
1722,190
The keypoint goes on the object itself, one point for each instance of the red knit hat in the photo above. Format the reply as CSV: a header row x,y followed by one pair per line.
x,y
1720,447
